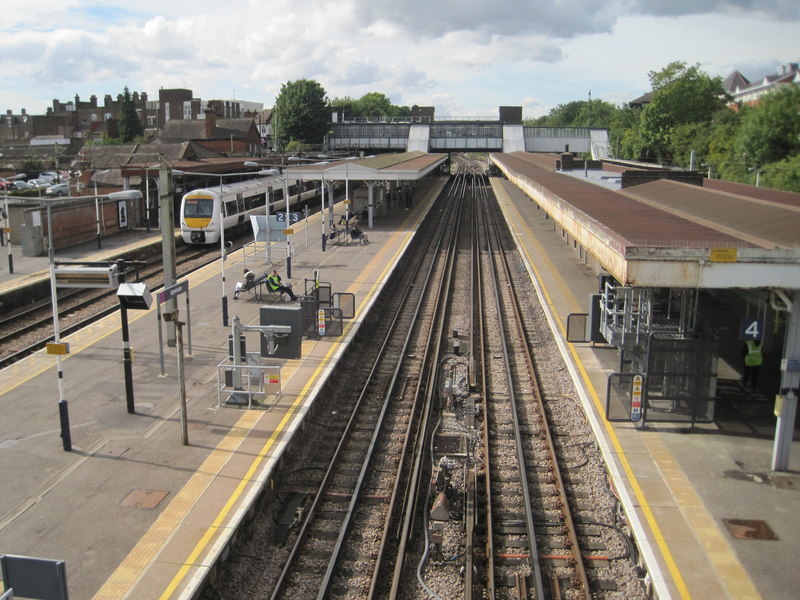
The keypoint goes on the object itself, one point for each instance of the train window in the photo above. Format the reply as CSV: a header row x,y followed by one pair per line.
x,y
230,207
199,208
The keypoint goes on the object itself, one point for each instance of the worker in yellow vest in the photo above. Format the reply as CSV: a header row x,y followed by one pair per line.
x,y
751,353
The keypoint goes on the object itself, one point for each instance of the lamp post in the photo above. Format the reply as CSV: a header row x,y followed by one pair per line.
x,y
288,242
221,219
63,405
7,227
97,203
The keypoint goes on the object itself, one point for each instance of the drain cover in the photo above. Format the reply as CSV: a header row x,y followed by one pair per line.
x,y
144,498
749,529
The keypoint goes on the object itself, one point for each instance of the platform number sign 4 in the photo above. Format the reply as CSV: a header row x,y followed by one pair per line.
x,y
750,328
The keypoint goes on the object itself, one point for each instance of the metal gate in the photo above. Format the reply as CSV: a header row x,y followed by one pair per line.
x,y
679,384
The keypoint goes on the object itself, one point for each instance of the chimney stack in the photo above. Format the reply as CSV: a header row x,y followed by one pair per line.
x,y
211,123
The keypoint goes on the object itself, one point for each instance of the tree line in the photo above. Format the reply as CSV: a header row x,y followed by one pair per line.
x,y
691,111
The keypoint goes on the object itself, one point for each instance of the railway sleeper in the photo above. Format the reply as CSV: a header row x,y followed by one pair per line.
x,y
606,585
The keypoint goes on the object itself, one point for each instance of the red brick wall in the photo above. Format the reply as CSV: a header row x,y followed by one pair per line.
x,y
77,223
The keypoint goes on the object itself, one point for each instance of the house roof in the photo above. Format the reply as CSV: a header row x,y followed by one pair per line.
x,y
181,130
642,100
735,80
116,156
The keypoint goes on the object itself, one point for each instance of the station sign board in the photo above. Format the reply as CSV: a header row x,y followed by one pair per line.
x,y
750,328
172,291
294,217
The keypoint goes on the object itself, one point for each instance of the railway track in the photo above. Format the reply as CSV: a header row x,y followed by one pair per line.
x,y
355,506
28,329
463,464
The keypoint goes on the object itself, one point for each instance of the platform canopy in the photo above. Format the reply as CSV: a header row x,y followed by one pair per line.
x,y
405,166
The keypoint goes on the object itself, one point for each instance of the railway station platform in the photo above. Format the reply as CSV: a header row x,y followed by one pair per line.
x,y
136,514
713,520
132,511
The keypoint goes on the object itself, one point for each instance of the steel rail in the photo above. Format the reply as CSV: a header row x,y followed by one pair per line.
x,y
492,247
362,400
414,496
412,437
580,568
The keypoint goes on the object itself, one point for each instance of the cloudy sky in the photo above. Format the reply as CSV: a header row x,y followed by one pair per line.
x,y
464,57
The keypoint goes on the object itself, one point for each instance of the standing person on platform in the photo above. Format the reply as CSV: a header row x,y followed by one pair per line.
x,y
751,353
275,285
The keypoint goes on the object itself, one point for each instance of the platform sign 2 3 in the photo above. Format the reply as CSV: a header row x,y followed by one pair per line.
x,y
750,328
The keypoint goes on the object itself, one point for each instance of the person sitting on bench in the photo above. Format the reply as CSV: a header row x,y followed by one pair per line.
x,y
274,285
333,232
357,234
249,278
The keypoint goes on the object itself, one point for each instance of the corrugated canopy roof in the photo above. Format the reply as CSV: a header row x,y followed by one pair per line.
x,y
404,166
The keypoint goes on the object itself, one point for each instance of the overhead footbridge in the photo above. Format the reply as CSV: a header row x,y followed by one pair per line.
x,y
463,135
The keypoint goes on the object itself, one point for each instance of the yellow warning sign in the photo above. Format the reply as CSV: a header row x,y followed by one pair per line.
x,y
722,255
60,349
288,231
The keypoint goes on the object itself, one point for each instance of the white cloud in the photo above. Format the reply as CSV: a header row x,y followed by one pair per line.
x,y
470,56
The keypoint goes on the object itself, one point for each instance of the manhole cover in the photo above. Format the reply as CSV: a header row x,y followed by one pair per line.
x,y
144,498
749,529
786,482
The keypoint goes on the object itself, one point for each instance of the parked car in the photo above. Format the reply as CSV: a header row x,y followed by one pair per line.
x,y
50,176
20,185
58,189
39,183
10,183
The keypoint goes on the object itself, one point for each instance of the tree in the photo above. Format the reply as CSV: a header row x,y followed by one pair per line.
x,y
130,127
681,95
623,132
783,175
721,160
344,106
770,131
372,104
301,113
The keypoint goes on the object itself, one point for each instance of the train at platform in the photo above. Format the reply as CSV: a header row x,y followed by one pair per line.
x,y
200,209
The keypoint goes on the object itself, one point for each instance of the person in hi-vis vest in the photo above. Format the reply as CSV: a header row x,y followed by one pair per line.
x,y
751,353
